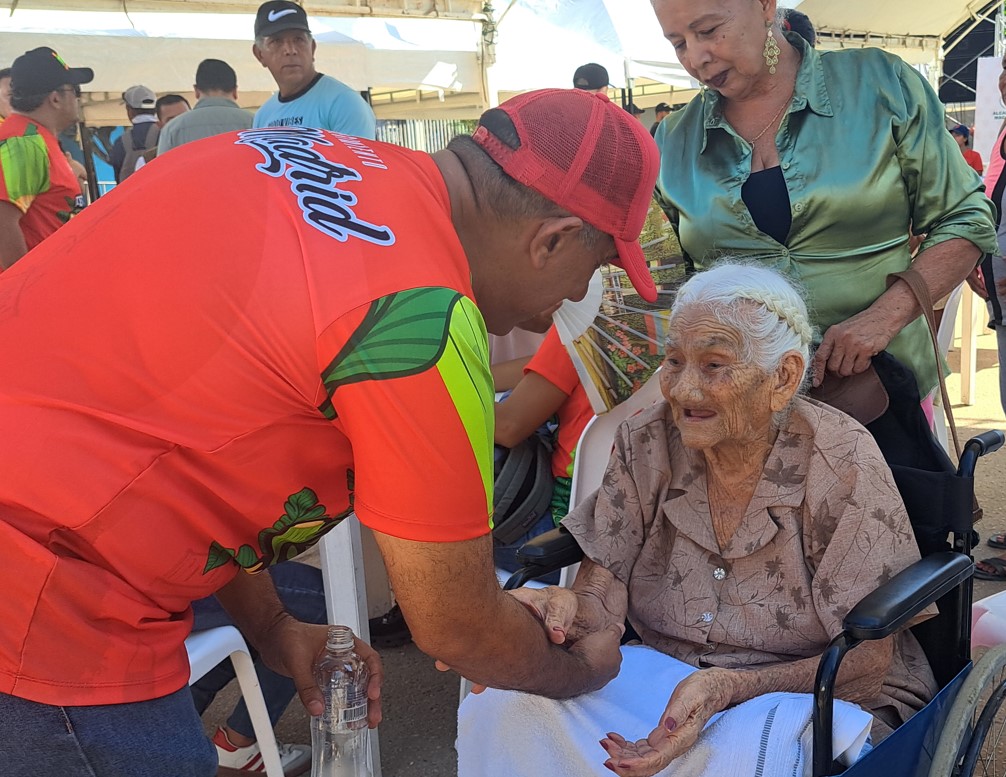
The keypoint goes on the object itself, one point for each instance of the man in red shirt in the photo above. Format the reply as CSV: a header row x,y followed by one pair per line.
x,y
39,192
962,135
175,422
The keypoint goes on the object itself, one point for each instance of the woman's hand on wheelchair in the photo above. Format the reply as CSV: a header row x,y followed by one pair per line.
x,y
695,700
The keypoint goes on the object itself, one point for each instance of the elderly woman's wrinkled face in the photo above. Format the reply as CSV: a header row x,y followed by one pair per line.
x,y
716,395
719,42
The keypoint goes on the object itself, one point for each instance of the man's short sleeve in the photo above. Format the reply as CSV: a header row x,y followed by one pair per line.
x,y
410,386
24,162
351,115
553,363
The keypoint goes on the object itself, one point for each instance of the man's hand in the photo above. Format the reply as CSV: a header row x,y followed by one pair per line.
x,y
976,280
695,700
292,648
848,346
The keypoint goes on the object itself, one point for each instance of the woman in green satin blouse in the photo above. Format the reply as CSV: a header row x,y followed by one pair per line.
x,y
818,163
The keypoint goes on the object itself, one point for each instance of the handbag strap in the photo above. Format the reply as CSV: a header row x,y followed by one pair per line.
x,y
921,291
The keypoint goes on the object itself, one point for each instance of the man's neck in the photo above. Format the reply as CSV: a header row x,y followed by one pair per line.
x,y
289,91
41,119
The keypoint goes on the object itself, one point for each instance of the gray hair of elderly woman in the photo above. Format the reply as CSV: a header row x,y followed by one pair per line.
x,y
773,324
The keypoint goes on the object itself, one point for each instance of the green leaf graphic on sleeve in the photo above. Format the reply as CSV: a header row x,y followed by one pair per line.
x,y
402,334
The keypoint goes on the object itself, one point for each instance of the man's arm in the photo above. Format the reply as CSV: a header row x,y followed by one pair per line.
x,y
459,615
12,245
534,400
848,346
288,646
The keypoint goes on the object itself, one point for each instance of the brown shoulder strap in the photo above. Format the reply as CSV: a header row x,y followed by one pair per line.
x,y
921,291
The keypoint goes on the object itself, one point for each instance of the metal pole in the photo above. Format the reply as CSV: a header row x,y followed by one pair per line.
x,y
85,146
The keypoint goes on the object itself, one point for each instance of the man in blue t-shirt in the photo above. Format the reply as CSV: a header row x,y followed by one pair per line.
x,y
306,98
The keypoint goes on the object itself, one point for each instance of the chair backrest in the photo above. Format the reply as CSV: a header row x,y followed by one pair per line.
x,y
945,332
594,448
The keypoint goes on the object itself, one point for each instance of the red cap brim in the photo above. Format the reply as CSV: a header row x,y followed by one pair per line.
x,y
631,259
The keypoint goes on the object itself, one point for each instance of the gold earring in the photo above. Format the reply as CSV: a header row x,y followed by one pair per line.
x,y
771,52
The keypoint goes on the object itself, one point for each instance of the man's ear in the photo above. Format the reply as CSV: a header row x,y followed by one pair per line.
x,y
258,54
787,380
552,235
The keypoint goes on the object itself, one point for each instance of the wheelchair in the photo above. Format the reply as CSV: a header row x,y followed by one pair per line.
x,y
957,734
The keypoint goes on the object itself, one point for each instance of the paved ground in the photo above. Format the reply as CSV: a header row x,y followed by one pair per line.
x,y
420,703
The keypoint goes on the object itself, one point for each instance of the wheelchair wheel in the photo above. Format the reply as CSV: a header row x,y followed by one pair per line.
x,y
973,742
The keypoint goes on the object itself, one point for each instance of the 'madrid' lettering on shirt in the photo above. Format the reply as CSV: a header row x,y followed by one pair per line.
x,y
315,180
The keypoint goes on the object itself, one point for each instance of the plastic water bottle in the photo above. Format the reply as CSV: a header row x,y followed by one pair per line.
x,y
339,739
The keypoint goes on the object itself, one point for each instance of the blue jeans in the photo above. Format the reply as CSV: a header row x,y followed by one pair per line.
x,y
301,591
505,556
158,738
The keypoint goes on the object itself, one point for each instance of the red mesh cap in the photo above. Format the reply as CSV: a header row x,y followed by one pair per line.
x,y
586,155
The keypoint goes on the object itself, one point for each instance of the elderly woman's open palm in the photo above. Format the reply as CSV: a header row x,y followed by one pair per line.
x,y
695,700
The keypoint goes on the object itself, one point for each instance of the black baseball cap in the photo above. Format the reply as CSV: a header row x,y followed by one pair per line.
x,y
42,70
634,109
662,108
279,15
590,76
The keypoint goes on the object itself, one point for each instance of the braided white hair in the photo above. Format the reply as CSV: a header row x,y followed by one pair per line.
x,y
774,324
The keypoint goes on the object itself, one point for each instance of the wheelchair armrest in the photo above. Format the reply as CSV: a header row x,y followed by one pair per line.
x,y
540,555
552,550
885,610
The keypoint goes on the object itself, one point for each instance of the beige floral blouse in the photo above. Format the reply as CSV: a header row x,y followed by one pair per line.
x,y
825,527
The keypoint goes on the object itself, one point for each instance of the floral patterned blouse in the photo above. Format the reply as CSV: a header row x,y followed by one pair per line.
x,y
824,528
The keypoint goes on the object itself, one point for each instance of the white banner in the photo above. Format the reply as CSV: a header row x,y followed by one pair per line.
x,y
989,107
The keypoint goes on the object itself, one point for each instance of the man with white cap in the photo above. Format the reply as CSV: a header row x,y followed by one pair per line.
x,y
140,136
39,192
175,425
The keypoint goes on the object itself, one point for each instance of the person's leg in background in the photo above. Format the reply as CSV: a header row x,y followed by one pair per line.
x,y
110,740
301,590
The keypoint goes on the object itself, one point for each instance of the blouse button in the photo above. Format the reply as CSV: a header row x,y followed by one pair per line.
x,y
719,573
785,165
707,617
798,207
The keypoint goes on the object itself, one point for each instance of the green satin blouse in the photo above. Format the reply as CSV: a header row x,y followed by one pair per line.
x,y
865,153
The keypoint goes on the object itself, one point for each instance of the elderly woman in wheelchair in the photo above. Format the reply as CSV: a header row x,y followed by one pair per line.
x,y
736,525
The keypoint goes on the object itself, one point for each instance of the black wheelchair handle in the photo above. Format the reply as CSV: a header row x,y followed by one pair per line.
x,y
979,445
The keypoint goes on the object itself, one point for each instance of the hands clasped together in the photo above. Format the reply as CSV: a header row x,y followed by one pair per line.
x,y
570,617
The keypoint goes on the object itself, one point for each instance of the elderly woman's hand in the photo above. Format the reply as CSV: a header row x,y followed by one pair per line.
x,y
848,346
556,607
695,700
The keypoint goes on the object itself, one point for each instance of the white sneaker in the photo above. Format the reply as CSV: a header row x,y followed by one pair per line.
x,y
296,759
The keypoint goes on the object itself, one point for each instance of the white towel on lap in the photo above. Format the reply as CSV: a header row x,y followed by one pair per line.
x,y
509,734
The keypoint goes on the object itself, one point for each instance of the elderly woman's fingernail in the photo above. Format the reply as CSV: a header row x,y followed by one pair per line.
x,y
670,724
608,766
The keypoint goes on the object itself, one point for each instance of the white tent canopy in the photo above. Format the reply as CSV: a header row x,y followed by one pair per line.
x,y
439,9
435,61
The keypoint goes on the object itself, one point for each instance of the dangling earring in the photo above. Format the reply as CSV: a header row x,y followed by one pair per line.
x,y
771,52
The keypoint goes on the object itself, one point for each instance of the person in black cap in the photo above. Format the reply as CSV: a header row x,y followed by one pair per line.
x,y
39,192
591,78
661,110
306,98
635,110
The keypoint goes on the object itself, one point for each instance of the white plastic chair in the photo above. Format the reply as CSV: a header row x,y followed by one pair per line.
x,y
207,649
346,594
944,341
988,621
591,460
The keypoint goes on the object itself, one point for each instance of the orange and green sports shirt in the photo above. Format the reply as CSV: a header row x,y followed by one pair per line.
x,y
207,370
36,178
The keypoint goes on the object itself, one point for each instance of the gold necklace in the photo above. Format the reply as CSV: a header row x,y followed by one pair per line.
x,y
778,113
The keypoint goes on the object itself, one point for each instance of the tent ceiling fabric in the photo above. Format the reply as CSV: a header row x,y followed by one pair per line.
x,y
893,18
442,9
